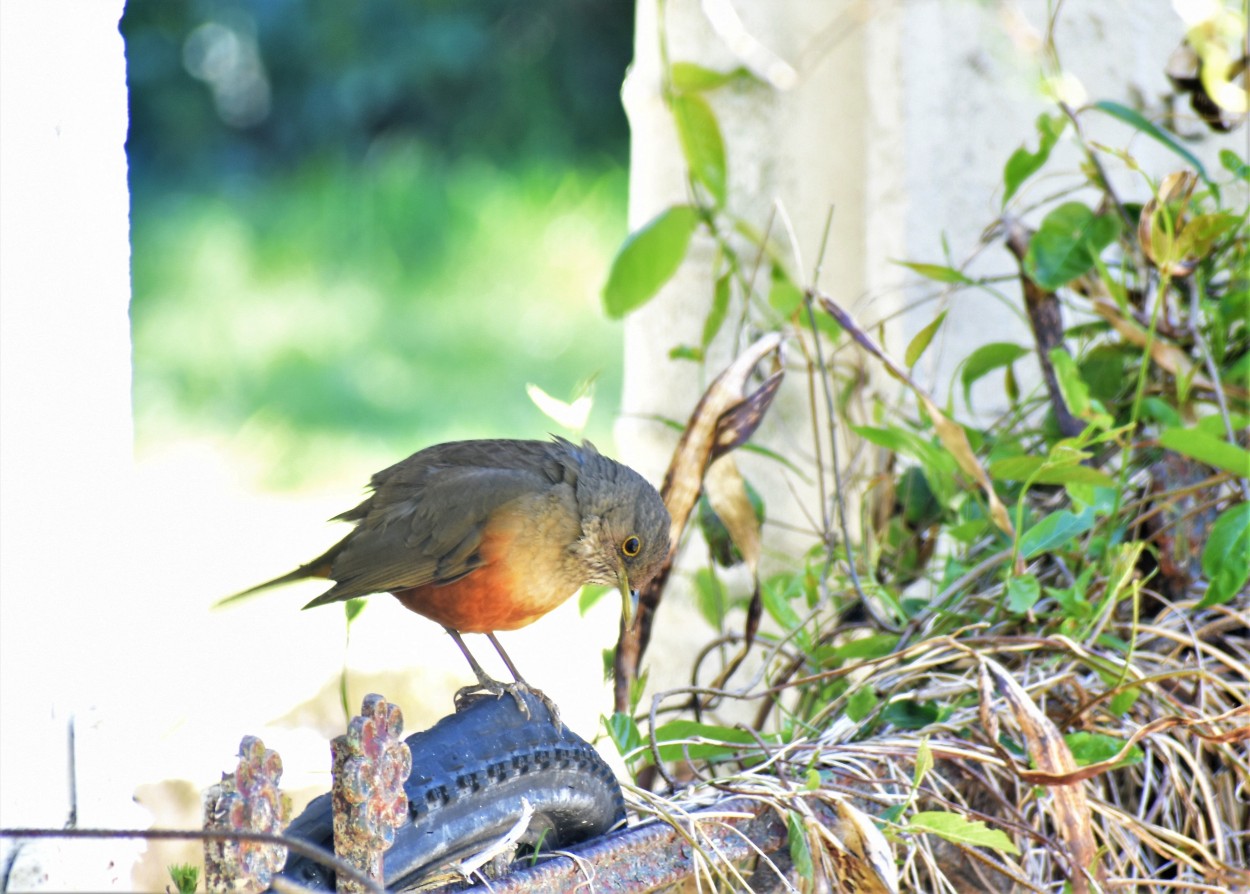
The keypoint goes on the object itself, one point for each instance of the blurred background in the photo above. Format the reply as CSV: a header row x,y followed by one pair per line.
x,y
357,229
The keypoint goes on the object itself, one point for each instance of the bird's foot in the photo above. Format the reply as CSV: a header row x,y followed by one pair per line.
x,y
518,690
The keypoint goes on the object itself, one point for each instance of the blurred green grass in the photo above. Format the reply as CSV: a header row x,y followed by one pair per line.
x,y
346,313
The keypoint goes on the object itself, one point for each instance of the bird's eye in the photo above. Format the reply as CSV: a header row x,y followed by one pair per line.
x,y
631,547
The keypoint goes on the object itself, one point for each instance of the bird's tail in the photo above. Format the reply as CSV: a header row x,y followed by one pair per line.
x,y
317,568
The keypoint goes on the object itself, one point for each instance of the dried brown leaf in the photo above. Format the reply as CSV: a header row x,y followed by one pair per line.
x,y
1069,806
724,417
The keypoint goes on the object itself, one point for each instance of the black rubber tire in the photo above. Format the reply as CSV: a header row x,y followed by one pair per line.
x,y
469,774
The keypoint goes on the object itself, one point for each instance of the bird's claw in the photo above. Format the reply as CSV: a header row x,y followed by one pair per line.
x,y
518,690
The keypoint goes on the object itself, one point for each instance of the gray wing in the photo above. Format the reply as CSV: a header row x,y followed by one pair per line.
x,y
423,529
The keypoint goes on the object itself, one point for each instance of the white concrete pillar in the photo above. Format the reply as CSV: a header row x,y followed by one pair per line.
x,y
65,448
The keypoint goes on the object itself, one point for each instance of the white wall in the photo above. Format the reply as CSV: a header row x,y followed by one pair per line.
x,y
65,431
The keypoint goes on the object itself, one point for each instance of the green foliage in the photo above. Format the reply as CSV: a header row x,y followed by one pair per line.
x,y
920,342
337,308
1023,591
1208,448
689,739
985,360
648,259
711,597
1068,243
800,850
1103,501
1023,164
909,713
624,733
186,877
352,609
475,79
1056,531
721,548
937,272
961,830
1092,748
702,143
1144,125
1226,557
687,77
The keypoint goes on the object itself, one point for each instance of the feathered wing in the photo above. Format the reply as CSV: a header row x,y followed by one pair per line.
x,y
423,522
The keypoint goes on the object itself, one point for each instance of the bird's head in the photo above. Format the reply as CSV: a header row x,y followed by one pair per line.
x,y
625,527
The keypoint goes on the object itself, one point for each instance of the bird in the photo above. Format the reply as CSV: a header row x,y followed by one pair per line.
x,y
488,535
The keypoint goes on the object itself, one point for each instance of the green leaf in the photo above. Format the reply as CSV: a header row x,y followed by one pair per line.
x,y
352,609
986,359
592,593
800,850
812,780
924,762
720,307
860,703
1023,164
1040,470
1214,424
961,830
1226,557
1202,232
1207,448
784,296
1074,389
916,347
1092,748
1123,700
701,143
624,732
687,77
1022,593
776,594
906,713
920,507
937,272
648,258
681,738
1055,530
685,352
1067,244
711,597
1235,164
1152,130
185,876
1160,411
874,645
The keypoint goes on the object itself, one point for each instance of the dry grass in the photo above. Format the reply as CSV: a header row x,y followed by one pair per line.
x,y
1170,811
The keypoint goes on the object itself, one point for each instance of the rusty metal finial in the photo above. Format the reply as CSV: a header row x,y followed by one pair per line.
x,y
371,765
247,800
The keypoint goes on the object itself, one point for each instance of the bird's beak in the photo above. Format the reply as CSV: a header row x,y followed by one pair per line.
x,y
629,598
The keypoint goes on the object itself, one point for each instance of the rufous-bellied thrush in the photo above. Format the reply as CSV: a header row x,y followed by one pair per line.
x,y
491,535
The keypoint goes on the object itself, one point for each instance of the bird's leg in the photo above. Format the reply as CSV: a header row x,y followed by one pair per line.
x,y
516,674
487,683
521,684
484,680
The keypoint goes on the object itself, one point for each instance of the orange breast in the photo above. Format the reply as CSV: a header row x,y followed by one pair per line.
x,y
518,582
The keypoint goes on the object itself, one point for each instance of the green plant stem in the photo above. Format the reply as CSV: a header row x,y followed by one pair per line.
x,y
1208,362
